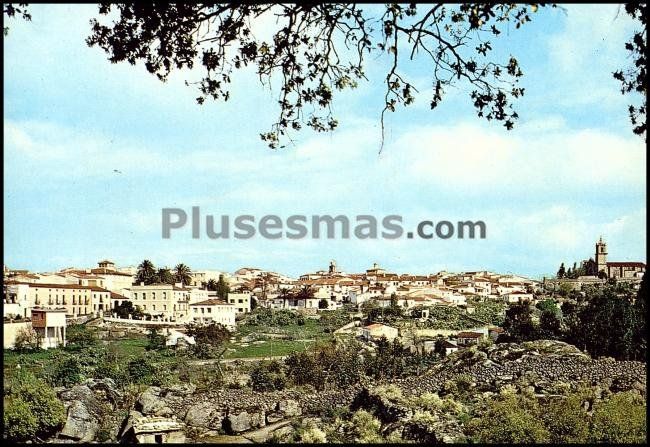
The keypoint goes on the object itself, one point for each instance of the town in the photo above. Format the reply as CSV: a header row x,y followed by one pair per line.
x,y
227,322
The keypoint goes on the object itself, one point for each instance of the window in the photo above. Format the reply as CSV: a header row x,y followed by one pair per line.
x,y
164,295
209,310
144,296
153,295
153,307
240,301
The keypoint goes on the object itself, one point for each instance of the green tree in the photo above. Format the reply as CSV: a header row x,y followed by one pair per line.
x,y
146,273
519,322
27,340
32,409
141,370
11,10
599,336
20,423
322,304
621,419
155,340
80,336
561,273
634,78
549,324
223,289
126,309
67,371
208,339
268,376
165,276
211,285
566,420
640,307
509,419
319,49
182,274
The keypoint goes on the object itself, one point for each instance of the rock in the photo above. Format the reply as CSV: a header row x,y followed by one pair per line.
x,y
182,389
289,407
151,403
204,414
274,417
237,423
81,424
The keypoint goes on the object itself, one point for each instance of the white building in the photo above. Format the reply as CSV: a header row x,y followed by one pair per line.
x,y
160,300
377,330
241,301
214,311
50,326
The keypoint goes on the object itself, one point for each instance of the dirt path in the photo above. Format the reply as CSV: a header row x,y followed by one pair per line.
x,y
262,435
244,359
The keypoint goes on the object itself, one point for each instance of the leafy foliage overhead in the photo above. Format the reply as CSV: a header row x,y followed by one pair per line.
x,y
317,49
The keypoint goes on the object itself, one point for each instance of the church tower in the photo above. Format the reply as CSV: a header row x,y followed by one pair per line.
x,y
601,255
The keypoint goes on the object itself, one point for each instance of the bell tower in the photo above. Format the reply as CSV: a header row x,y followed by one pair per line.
x,y
601,255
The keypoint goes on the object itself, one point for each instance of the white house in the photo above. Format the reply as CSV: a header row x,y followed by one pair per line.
x,y
50,325
214,311
241,301
375,331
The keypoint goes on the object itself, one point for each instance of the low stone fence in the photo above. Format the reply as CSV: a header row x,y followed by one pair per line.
x,y
127,321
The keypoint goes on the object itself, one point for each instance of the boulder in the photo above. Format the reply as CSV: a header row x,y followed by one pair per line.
x,y
151,403
237,423
274,417
205,415
81,425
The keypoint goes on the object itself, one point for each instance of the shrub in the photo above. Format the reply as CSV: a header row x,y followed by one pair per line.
x,y
27,340
620,419
509,419
67,372
31,409
79,336
366,427
141,370
268,376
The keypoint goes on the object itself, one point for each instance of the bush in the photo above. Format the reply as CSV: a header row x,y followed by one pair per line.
x,y
156,340
268,377
620,419
141,370
27,340
31,409
79,336
510,419
20,423
67,372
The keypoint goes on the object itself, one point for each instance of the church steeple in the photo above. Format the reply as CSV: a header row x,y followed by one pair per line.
x,y
601,255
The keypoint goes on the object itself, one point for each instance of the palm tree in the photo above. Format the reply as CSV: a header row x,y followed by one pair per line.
x,y
211,285
146,272
182,274
305,293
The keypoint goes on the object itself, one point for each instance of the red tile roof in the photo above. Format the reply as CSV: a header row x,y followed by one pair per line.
x,y
469,335
211,302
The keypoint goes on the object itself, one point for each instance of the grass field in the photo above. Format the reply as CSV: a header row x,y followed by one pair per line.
x,y
269,348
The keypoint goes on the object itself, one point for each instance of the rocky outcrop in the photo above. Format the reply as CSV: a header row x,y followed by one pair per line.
x,y
84,411
545,364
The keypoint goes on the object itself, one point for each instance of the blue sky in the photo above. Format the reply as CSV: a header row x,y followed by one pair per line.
x,y
570,171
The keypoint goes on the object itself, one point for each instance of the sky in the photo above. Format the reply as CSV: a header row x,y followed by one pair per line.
x,y
570,172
